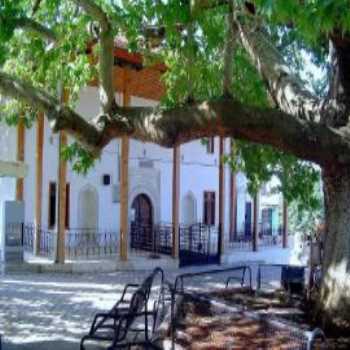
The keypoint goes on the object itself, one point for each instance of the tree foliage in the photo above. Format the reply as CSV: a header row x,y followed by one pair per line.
x,y
193,55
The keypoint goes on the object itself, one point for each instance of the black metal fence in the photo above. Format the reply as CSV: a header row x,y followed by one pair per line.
x,y
46,245
89,243
79,243
199,245
244,240
156,239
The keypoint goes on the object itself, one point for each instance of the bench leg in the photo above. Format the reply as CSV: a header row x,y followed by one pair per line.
x,y
82,347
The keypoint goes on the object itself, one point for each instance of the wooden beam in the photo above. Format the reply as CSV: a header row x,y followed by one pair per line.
x,y
221,197
285,225
256,222
38,179
21,132
124,181
176,201
61,211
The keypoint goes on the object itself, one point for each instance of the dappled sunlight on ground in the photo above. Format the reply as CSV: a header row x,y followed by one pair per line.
x,y
53,311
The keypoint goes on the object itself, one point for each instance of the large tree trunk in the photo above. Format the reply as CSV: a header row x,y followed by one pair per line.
x,y
335,292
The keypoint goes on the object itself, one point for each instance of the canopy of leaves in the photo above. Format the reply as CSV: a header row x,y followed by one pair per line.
x,y
297,179
192,49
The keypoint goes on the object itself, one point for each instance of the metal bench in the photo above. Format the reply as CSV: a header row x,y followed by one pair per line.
x,y
131,321
242,269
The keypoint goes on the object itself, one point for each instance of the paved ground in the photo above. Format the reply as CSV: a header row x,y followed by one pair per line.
x,y
52,311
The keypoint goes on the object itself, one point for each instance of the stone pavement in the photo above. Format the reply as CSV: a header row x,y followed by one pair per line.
x,y
53,311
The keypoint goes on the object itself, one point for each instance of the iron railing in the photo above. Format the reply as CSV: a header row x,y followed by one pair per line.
x,y
90,243
79,243
199,244
152,238
244,241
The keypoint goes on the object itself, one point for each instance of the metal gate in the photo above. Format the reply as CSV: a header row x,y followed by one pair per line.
x,y
199,245
152,238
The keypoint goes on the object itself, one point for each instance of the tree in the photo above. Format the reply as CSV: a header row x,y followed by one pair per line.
x,y
245,84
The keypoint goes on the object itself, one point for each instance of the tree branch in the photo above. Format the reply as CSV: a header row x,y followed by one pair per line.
x,y
286,89
30,25
106,58
225,117
229,47
229,118
36,6
60,116
336,106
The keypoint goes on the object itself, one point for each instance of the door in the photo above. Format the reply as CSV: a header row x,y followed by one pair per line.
x,y
248,219
142,225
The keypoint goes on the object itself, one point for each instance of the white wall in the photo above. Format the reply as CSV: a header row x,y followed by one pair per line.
x,y
199,172
8,142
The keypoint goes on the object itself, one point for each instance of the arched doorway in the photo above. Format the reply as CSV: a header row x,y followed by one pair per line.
x,y
142,224
189,210
88,208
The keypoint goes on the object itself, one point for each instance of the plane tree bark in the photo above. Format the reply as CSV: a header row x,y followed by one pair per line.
x,y
332,113
299,123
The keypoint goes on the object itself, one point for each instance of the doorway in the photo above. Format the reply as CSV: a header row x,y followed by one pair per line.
x,y
142,223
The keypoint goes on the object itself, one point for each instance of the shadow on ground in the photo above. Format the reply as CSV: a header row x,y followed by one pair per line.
x,y
42,345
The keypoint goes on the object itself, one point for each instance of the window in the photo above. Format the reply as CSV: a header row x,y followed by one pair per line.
x,y
210,145
209,208
52,204
67,204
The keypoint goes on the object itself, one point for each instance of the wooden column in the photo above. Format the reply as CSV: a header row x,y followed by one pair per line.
x,y
285,225
61,211
21,132
221,197
124,198
176,200
38,179
124,181
256,223
61,195
233,201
